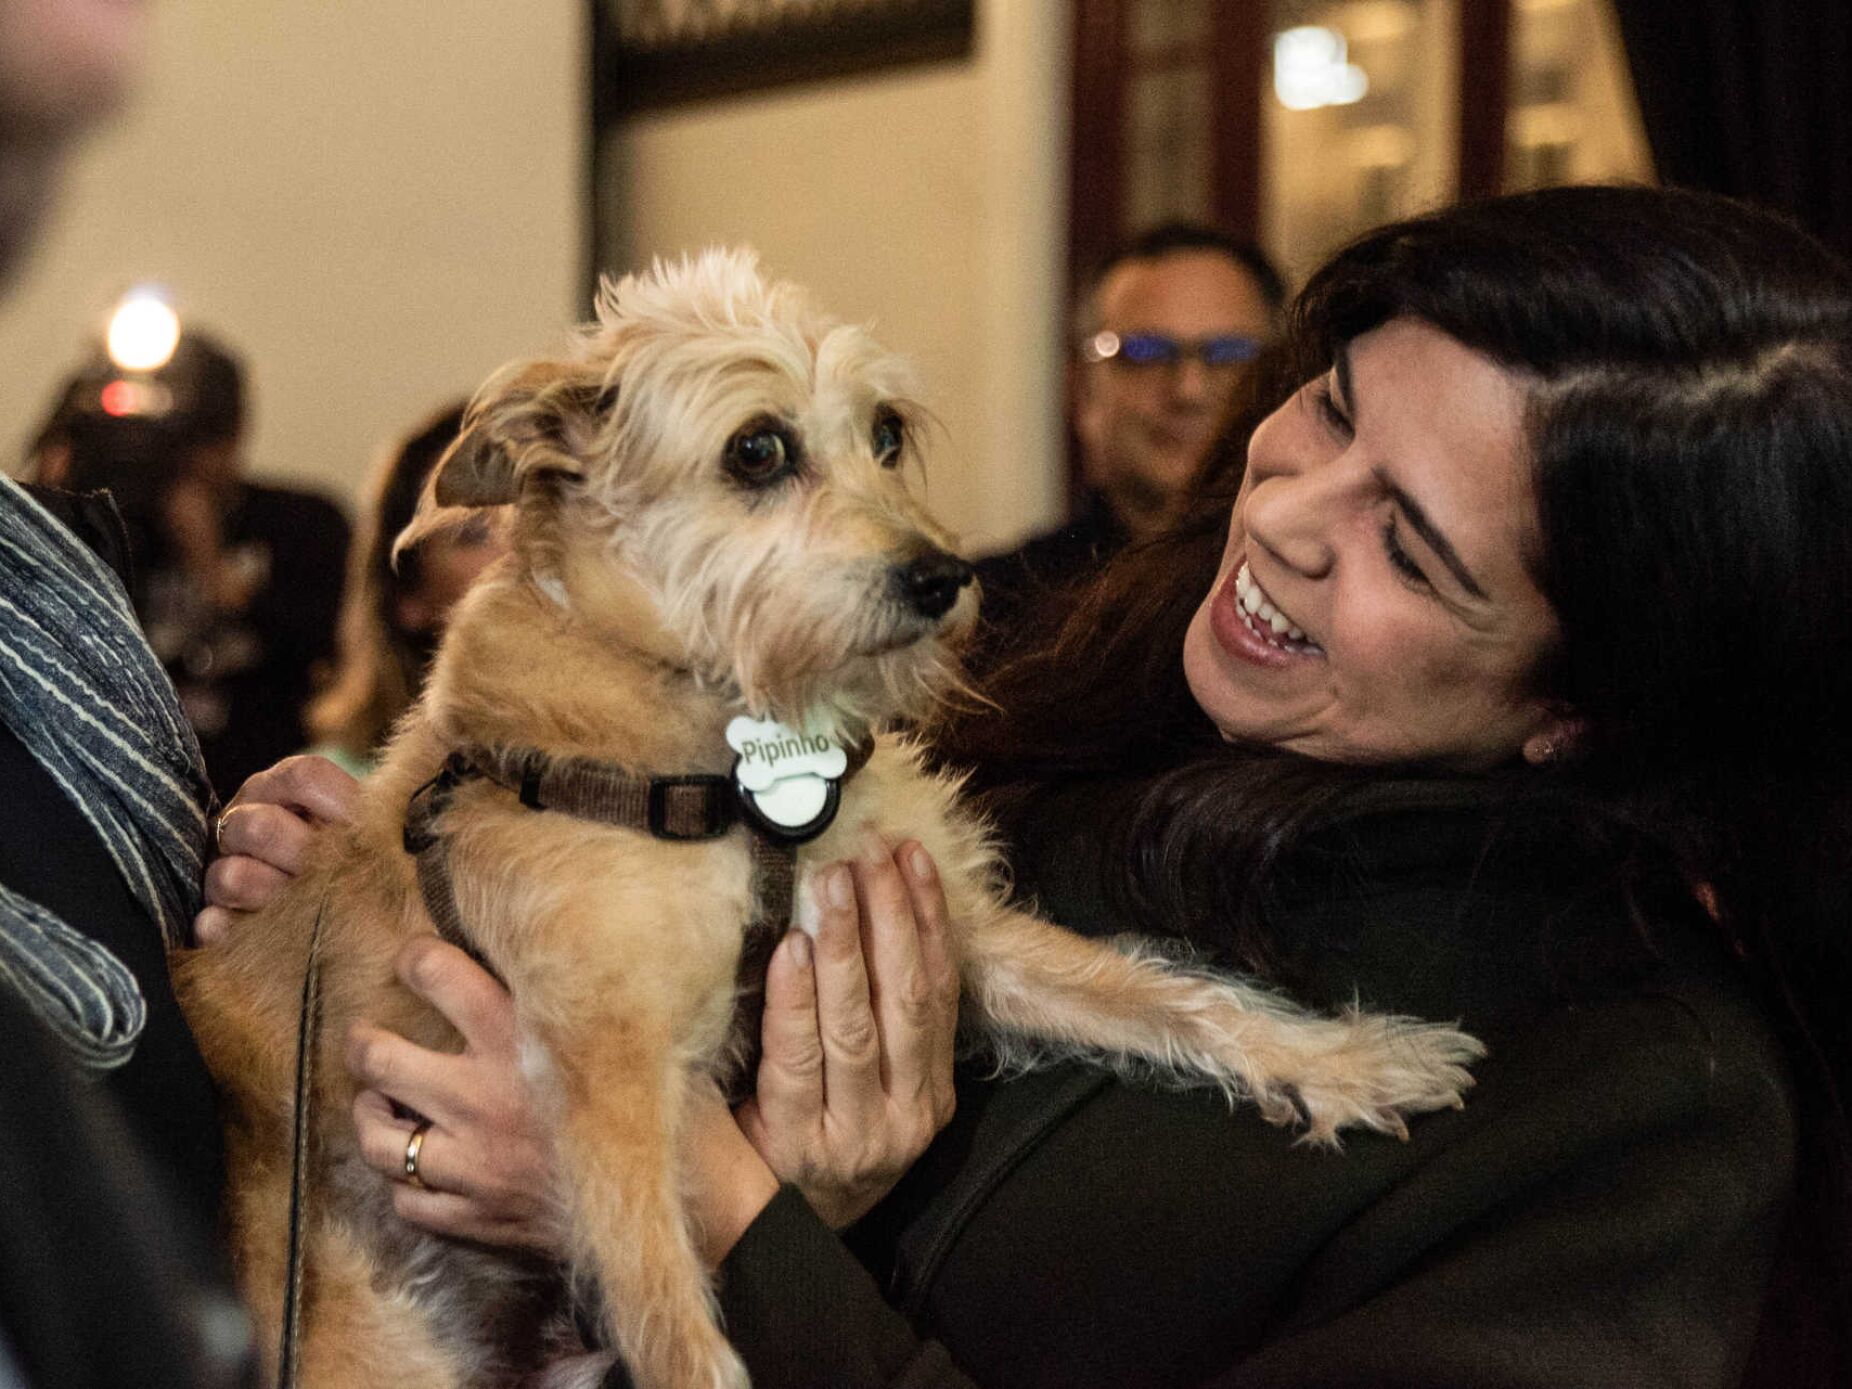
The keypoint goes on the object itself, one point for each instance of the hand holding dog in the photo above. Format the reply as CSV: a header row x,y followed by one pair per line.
x,y
262,837
855,1079
486,1163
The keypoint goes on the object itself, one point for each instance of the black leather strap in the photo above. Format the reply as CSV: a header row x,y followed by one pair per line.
x,y
679,809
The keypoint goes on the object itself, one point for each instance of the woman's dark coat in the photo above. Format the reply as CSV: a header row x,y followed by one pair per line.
x,y
1604,1210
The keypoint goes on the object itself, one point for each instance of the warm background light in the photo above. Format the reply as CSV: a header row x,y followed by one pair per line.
x,y
376,209
1310,70
143,331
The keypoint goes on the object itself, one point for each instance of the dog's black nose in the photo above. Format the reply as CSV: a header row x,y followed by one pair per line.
x,y
929,585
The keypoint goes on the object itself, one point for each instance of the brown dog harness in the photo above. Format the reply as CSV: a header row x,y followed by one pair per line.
x,y
684,809
679,809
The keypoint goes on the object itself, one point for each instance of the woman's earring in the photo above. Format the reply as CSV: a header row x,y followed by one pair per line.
x,y
1560,738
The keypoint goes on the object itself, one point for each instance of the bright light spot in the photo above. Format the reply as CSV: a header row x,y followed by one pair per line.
x,y
143,331
1310,69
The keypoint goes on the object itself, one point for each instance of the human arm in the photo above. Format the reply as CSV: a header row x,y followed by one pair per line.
x,y
192,518
1600,1214
839,1134
1609,1219
802,1311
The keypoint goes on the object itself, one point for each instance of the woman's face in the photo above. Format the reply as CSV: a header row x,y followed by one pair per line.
x,y
1372,603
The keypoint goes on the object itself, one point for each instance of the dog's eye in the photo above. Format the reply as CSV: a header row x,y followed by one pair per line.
x,y
889,437
761,453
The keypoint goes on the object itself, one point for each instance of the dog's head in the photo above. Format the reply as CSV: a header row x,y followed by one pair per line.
x,y
719,475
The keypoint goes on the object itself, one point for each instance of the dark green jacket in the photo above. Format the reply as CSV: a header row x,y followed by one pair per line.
x,y
1603,1212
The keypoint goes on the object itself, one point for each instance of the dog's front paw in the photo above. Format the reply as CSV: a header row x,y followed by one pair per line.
x,y
1371,1071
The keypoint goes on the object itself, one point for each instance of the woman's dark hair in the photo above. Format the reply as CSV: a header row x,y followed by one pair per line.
x,y
380,666
1689,423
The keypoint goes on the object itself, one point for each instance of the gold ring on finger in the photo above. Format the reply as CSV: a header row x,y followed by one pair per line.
x,y
413,1147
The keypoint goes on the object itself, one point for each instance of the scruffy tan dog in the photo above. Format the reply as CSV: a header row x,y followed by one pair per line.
x,y
711,521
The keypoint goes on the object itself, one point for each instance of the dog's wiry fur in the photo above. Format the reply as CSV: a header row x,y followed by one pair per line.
x,y
652,596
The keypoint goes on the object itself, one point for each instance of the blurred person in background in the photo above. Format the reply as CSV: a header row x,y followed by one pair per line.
x,y
109,1146
391,618
64,65
1165,328
237,583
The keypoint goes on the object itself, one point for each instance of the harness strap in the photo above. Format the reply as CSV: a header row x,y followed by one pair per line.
x,y
688,808
433,863
774,888
430,853
676,808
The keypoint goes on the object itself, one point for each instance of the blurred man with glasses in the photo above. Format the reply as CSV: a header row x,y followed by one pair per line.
x,y
1161,335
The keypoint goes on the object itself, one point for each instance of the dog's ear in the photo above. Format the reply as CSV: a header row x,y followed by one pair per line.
x,y
542,418
474,471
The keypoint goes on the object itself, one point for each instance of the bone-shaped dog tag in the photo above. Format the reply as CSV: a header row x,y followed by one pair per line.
x,y
788,778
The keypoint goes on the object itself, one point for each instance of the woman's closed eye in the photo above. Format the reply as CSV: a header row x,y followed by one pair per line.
x,y
1332,412
1401,561
1325,401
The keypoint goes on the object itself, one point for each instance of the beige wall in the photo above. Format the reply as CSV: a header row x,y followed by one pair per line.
x,y
928,202
379,203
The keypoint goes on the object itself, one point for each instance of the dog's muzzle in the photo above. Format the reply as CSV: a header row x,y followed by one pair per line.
x,y
930,584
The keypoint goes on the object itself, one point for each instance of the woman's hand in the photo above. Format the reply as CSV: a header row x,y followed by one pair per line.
x,y
856,1077
262,838
486,1161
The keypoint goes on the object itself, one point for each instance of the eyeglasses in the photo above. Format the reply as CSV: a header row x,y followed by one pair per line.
x,y
1161,350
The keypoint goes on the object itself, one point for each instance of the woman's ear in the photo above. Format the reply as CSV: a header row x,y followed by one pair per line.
x,y
1558,739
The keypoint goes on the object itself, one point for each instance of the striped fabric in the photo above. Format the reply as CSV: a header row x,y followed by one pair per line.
x,y
80,688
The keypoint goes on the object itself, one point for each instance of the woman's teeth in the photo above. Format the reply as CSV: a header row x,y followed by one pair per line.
x,y
1266,620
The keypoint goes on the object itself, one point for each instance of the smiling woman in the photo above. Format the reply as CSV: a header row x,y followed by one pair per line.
x,y
1517,607
1372,603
